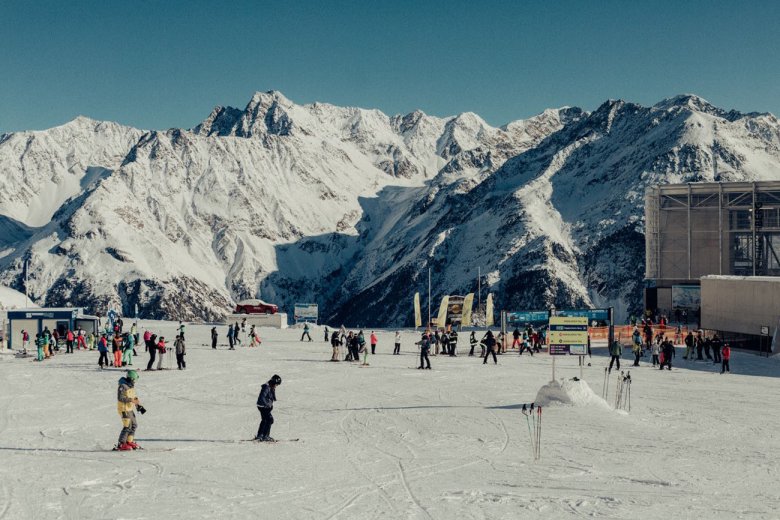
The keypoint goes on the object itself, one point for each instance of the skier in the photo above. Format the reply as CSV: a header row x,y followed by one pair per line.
x,y
127,350
716,349
689,342
236,337
335,344
655,350
425,348
397,348
326,334
490,344
151,345
39,347
453,343
725,358
181,330
516,341
637,349
181,350
69,337
231,339
668,349
213,337
127,403
116,349
699,346
445,343
265,404
25,341
103,350
374,341
525,346
615,351
305,332
160,351
473,342
361,339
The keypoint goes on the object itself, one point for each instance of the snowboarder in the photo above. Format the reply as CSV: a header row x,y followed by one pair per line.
x,y
425,348
305,332
213,337
725,358
615,351
397,348
181,350
374,341
490,344
265,405
127,404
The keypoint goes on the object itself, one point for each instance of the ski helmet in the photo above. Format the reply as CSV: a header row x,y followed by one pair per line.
x,y
132,375
276,380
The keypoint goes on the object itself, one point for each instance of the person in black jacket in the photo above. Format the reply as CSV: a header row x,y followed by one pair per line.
x,y
490,346
668,349
265,404
213,337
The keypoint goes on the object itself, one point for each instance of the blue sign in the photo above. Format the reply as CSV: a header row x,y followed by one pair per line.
x,y
522,318
591,314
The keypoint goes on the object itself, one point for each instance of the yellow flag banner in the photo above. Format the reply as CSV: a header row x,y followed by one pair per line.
x,y
489,311
417,314
441,321
468,302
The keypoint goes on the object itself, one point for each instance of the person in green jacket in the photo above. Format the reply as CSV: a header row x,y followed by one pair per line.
x,y
127,350
39,345
615,351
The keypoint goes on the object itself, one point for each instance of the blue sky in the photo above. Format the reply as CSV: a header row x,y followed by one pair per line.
x,y
161,64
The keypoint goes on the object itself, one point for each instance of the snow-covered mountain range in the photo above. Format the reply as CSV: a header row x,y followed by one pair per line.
x,y
349,207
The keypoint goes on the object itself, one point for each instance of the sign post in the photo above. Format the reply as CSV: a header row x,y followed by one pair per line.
x,y
568,335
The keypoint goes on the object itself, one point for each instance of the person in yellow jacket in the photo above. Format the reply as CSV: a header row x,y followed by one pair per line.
x,y
127,404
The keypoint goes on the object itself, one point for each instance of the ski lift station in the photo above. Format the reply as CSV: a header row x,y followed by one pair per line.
x,y
713,257
37,319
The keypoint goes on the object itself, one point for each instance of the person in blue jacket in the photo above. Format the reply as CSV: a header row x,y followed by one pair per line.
x,y
265,404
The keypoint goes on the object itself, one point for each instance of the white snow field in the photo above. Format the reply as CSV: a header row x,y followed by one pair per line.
x,y
386,441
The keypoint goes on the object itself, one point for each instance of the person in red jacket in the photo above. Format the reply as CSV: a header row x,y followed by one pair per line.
x,y
69,341
725,357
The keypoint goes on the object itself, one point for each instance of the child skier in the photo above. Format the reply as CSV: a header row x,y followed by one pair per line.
x,y
265,404
725,358
127,403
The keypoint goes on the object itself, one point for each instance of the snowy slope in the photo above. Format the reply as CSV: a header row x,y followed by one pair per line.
x,y
387,441
10,299
348,207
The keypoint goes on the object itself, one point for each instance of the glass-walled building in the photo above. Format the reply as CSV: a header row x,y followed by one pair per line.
x,y
695,230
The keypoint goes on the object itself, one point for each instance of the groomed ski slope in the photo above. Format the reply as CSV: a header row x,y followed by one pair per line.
x,y
386,441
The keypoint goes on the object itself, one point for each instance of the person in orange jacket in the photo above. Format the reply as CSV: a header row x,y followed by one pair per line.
x,y
725,357
373,341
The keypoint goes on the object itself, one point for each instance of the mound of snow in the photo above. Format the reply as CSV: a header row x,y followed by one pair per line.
x,y
11,299
568,392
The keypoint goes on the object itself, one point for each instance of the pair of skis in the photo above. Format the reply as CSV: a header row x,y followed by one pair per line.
x,y
623,392
533,418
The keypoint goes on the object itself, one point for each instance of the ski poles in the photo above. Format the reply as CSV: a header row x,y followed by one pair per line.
x,y
623,395
534,420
